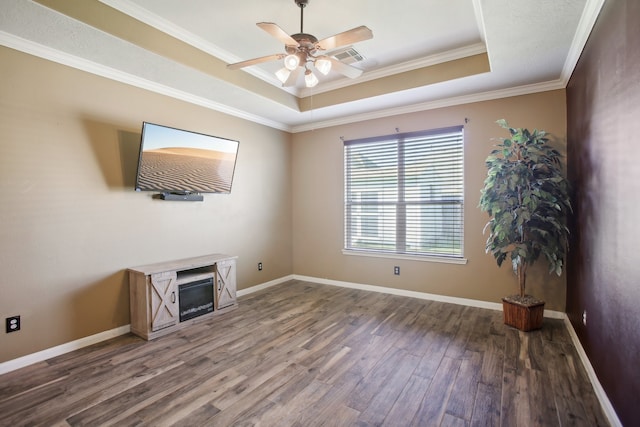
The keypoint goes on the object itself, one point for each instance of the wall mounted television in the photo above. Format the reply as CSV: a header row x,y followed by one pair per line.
x,y
181,163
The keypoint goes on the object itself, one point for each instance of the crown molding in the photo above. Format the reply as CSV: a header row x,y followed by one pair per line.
x,y
477,10
45,52
585,25
431,105
161,24
438,58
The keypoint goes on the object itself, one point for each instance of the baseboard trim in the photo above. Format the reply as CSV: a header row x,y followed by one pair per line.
x,y
40,356
605,403
610,413
30,359
402,292
607,407
264,285
421,295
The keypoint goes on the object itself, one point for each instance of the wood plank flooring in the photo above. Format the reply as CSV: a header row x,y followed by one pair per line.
x,y
304,354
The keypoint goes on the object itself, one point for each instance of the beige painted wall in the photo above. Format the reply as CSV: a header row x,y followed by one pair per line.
x,y
318,190
71,223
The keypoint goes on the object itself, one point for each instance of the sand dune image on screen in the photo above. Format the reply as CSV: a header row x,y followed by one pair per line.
x,y
186,169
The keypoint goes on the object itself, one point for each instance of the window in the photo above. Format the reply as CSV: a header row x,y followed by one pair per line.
x,y
369,214
404,194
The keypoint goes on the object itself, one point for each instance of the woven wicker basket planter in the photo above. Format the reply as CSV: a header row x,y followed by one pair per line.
x,y
525,317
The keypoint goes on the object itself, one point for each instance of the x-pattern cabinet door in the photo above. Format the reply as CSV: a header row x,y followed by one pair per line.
x,y
226,286
164,300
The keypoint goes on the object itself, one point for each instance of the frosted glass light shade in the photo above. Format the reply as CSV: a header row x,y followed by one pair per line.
x,y
291,62
283,74
323,65
310,79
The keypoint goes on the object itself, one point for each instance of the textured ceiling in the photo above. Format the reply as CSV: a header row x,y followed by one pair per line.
x,y
424,53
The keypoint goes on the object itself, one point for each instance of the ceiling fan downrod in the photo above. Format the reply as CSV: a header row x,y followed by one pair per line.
x,y
302,4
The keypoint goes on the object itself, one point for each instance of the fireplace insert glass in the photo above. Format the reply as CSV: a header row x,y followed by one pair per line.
x,y
196,299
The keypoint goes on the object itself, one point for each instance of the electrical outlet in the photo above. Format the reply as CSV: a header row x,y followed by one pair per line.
x,y
259,266
13,324
584,318
396,270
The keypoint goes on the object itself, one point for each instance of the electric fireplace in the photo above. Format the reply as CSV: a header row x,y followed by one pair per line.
x,y
195,298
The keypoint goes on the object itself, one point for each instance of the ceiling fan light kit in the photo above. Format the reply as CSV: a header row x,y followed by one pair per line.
x,y
283,74
301,50
291,62
323,64
310,79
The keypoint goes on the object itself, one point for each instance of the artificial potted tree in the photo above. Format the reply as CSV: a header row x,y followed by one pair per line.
x,y
527,198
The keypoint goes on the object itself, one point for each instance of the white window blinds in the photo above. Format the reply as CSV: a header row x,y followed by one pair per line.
x,y
404,193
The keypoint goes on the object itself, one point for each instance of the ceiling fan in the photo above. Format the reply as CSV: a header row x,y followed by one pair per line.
x,y
302,50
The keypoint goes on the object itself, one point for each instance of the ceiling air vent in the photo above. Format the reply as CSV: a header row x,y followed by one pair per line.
x,y
348,56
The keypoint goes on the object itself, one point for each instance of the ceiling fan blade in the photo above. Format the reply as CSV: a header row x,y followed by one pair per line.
x,y
255,61
351,36
344,69
278,33
293,78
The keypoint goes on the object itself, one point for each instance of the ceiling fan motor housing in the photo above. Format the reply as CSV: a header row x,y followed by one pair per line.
x,y
306,43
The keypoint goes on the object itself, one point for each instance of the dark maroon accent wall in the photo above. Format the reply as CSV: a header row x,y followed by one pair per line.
x,y
603,270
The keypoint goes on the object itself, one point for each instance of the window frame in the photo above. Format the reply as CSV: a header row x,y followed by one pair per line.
x,y
399,250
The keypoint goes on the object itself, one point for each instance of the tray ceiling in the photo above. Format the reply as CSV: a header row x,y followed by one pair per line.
x,y
424,54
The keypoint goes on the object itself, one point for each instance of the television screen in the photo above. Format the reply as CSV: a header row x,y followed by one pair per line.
x,y
183,162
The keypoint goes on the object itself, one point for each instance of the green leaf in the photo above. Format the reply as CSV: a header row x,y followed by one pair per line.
x,y
527,199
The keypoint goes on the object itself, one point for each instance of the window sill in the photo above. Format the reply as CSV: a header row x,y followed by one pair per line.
x,y
445,260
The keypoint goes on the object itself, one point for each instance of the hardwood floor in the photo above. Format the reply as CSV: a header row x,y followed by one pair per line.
x,y
303,354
